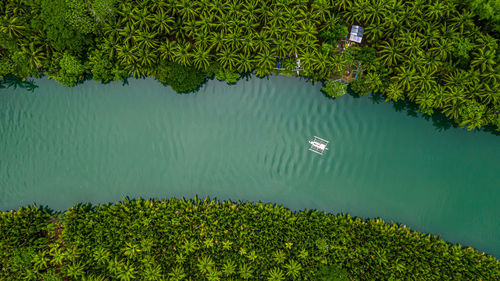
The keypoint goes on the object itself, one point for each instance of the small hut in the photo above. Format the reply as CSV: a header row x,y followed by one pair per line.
x,y
356,34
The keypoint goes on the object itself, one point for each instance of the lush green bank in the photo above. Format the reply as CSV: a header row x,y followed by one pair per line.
x,y
208,240
432,53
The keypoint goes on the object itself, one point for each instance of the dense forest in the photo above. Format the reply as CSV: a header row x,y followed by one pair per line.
x,y
441,55
175,240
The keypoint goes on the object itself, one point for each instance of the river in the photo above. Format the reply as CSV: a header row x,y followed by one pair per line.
x,y
99,143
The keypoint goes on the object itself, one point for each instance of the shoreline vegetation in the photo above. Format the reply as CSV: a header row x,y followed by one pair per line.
x,y
440,55
203,239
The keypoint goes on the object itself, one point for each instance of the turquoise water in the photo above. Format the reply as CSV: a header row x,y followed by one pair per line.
x,y
100,143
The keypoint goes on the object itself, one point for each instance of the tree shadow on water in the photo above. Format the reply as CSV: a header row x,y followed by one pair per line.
x,y
11,81
438,119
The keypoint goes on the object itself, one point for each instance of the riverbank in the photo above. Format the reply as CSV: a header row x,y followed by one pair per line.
x,y
203,238
445,64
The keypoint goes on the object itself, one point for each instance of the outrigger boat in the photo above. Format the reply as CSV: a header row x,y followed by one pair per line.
x,y
318,145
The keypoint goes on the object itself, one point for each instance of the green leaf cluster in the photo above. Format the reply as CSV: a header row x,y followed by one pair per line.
x,y
334,89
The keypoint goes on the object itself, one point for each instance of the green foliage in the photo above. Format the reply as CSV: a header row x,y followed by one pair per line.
x,y
365,55
227,75
488,10
334,89
78,16
64,29
332,273
370,83
172,239
71,70
103,10
181,78
102,67
335,30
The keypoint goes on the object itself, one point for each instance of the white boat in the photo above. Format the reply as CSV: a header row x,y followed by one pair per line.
x,y
318,145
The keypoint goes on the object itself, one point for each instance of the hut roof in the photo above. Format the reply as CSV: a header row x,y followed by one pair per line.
x,y
356,34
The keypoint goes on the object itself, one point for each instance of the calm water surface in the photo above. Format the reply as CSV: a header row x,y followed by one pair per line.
x,y
99,143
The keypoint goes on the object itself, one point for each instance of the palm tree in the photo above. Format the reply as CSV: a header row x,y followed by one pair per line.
x,y
391,52
342,5
276,274
126,55
34,55
394,92
112,29
322,9
227,58
262,41
146,40
58,256
205,264
357,12
412,44
453,99
233,39
374,32
293,45
234,8
289,29
217,40
250,13
128,33
425,80
40,260
280,47
405,77
457,79
182,53
187,9
127,12
147,57
12,27
431,36
442,48
265,61
162,22
101,256
202,40
376,12
484,59
216,7
201,58
308,31
293,269
435,11
245,271
248,44
229,268
75,270
275,15
166,50
463,20
205,23
190,28
144,19
264,10
126,271
320,64
177,273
